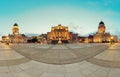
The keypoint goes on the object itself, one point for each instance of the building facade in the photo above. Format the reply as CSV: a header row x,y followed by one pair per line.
x,y
101,35
60,34
5,39
16,37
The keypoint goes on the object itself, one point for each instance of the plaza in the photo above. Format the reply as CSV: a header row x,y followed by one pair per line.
x,y
64,60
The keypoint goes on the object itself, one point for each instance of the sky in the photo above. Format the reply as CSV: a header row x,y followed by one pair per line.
x,y
38,16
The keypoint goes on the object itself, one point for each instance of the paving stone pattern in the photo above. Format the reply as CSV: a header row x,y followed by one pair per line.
x,y
68,60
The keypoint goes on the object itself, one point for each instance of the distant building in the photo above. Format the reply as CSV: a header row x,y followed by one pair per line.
x,y
60,34
102,35
119,40
89,39
16,37
81,39
114,38
5,39
42,39
73,37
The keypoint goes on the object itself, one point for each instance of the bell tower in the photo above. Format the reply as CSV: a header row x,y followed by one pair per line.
x,y
101,28
15,29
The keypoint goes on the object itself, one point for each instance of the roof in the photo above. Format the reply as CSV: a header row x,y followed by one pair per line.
x,y
15,24
101,23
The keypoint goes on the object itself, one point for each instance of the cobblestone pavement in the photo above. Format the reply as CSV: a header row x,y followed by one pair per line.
x,y
108,58
60,54
69,60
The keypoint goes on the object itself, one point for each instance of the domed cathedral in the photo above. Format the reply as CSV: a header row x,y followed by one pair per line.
x,y
101,35
60,34
15,29
101,28
16,37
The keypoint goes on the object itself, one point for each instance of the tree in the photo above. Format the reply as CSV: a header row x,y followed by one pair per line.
x,y
34,39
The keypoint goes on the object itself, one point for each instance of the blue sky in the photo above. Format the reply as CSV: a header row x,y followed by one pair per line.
x,y
38,16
